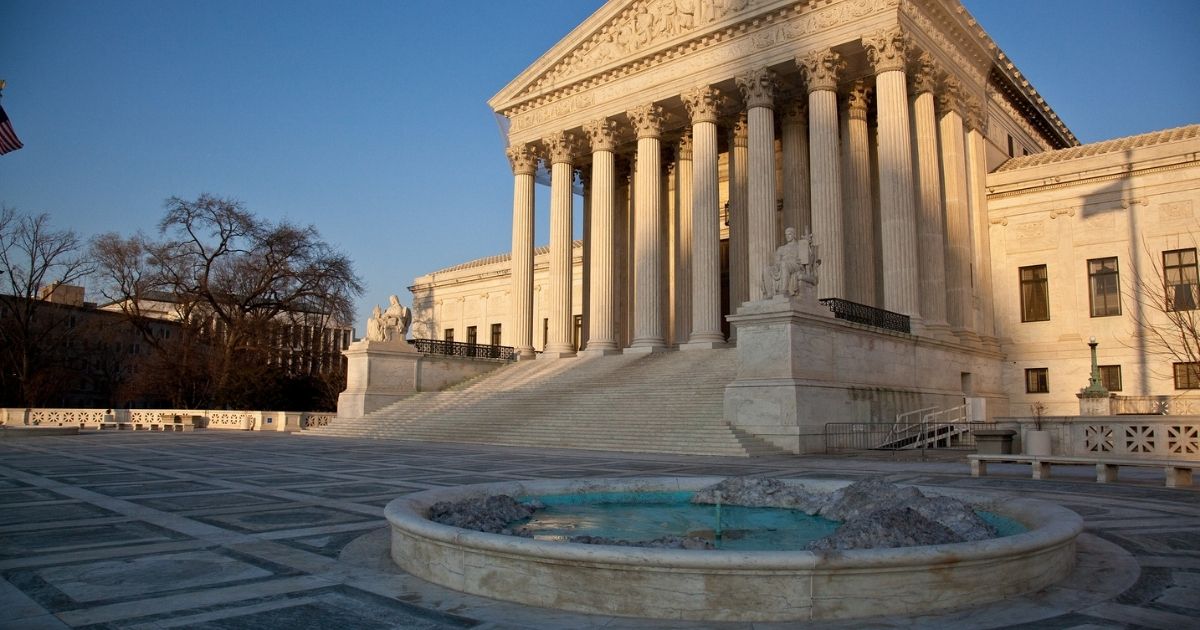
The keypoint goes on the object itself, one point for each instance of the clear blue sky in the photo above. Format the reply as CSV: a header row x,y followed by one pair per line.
x,y
369,119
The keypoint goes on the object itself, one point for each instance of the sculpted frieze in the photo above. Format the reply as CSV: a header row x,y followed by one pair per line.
x,y
705,49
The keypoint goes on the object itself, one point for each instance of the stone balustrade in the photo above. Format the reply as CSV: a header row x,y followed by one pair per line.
x,y
209,419
1175,437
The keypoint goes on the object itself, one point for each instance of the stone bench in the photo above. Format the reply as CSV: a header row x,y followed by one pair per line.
x,y
1178,473
114,424
165,422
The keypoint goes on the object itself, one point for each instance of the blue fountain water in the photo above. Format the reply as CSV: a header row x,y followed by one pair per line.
x,y
644,516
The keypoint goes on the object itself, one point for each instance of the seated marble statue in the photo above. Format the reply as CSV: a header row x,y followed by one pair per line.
x,y
375,325
389,325
794,262
396,319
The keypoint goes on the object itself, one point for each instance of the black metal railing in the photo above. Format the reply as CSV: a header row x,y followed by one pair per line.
x,y
868,315
468,350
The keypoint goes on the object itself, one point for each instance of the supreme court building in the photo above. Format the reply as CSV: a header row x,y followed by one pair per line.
x,y
936,182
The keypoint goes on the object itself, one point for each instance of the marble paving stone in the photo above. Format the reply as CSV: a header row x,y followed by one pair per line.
x,y
204,501
148,574
272,520
54,540
151,487
97,479
29,496
329,545
12,483
337,491
36,513
283,481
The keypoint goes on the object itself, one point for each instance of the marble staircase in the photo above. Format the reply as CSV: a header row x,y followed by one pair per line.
x,y
670,402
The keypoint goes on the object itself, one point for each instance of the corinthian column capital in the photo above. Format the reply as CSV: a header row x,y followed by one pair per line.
x,y
522,158
975,114
758,88
703,103
857,100
924,74
886,49
794,110
602,134
684,150
950,99
647,120
821,69
562,147
739,130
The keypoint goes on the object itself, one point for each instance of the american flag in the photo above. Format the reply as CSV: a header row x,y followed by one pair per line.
x,y
8,138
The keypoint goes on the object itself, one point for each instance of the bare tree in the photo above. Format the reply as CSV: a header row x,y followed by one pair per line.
x,y
235,283
1165,304
33,334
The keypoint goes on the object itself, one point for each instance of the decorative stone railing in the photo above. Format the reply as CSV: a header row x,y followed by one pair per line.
x,y
219,420
1151,437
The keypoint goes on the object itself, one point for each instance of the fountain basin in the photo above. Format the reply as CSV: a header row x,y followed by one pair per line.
x,y
722,584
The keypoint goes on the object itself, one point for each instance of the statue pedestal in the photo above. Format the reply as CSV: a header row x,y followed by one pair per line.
x,y
1095,404
800,369
378,373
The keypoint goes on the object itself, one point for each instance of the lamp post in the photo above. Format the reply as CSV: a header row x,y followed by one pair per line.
x,y
1095,386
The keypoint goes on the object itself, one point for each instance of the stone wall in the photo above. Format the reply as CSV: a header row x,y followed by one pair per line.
x,y
209,419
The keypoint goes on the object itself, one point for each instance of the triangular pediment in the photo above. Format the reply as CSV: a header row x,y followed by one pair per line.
x,y
622,32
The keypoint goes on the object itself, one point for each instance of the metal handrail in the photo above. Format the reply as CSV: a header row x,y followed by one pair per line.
x,y
466,350
868,315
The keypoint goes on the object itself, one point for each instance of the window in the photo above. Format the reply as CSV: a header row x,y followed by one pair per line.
x,y
1105,284
1179,276
1035,294
545,332
1037,380
496,334
448,335
1010,147
472,335
1110,377
1187,375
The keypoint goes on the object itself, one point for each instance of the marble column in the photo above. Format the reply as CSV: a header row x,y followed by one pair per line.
x,y
859,222
821,70
931,234
623,234
954,178
901,280
985,322
684,174
758,89
602,337
584,173
648,334
520,333
794,138
702,105
561,149
739,223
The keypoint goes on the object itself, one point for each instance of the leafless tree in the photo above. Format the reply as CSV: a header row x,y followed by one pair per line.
x,y
33,334
1165,305
234,282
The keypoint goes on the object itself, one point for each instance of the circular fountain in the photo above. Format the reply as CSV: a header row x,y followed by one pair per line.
x,y
727,584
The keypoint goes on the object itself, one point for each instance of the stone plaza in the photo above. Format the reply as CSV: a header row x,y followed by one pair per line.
x,y
272,530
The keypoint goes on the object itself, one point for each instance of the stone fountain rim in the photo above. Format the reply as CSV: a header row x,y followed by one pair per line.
x,y
1049,526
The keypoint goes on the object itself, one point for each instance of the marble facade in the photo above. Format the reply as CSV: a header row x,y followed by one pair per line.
x,y
892,130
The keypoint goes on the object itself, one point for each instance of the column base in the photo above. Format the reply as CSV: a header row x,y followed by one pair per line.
x,y
599,352
525,354
647,349
702,345
556,354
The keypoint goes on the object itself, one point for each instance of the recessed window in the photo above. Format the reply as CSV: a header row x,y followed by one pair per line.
x,y
1037,380
1179,278
495,334
472,335
1187,375
1035,294
1010,147
448,334
1110,377
1105,285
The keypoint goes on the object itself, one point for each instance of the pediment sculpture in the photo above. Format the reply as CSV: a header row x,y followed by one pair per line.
x,y
794,266
389,325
